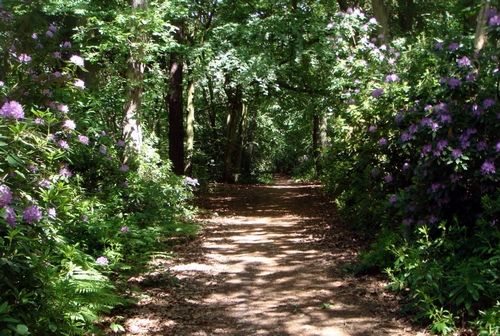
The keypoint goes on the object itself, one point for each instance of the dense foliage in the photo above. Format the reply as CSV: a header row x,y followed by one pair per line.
x,y
401,128
415,160
72,212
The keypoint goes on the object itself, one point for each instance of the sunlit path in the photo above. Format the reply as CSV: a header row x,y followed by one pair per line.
x,y
260,269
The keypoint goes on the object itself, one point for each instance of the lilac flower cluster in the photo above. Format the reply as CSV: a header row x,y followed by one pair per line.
x,y
12,109
192,181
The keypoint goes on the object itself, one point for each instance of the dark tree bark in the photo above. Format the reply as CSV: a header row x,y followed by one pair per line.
x,y
406,15
235,99
176,115
380,10
343,5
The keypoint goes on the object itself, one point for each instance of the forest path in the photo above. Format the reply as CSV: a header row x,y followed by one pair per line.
x,y
268,262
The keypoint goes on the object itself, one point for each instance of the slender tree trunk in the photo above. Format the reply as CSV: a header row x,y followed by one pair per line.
x,y
343,5
380,10
131,131
176,115
316,143
480,37
406,15
233,117
213,111
241,142
190,127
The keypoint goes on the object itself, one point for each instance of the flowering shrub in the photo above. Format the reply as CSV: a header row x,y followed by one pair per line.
x,y
70,209
419,157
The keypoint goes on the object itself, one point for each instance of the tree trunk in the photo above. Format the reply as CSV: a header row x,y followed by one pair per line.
x,y
235,108
131,131
241,142
406,15
480,37
316,143
176,115
343,5
190,128
380,10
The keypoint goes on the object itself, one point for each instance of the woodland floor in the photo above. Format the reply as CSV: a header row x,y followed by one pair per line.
x,y
269,261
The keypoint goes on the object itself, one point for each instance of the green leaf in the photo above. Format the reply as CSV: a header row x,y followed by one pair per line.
x,y
21,329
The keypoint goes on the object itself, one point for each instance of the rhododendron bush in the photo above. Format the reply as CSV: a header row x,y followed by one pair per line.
x,y
71,211
417,156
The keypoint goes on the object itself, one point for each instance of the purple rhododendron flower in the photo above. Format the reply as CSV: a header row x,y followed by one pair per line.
x,y
11,216
456,153
192,181
102,149
413,129
65,172
69,124
83,139
470,77
393,199
5,195
51,213
481,146
125,229
441,107
454,46
391,78
464,62
426,149
442,144
426,121
436,186
455,177
102,261
124,168
388,178
488,167
494,21
32,213
63,108
454,82
488,102
120,143
372,129
405,136
445,118
377,93
439,46
77,60
44,183
382,142
406,166
63,144
491,13
12,109
79,84
24,58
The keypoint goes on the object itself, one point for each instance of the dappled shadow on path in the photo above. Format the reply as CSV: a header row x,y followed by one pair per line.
x,y
261,268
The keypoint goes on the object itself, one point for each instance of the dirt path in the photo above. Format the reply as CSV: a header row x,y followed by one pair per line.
x,y
263,266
